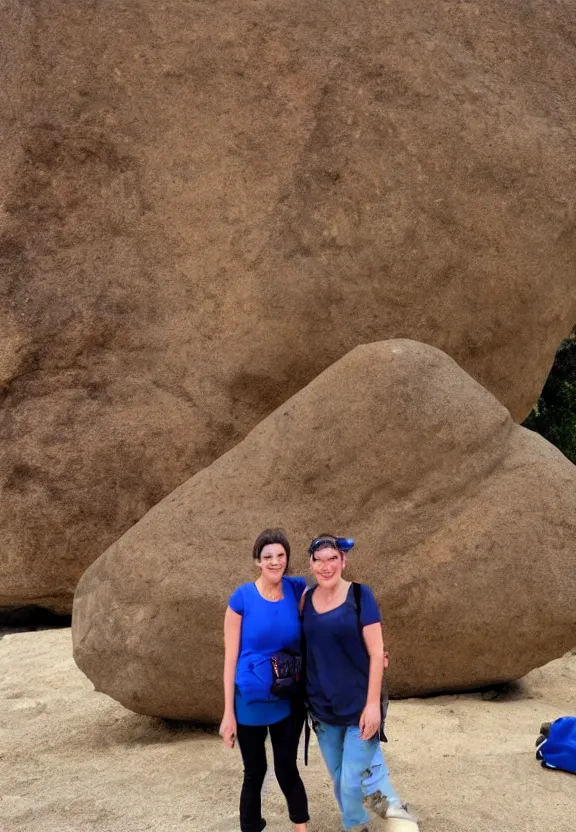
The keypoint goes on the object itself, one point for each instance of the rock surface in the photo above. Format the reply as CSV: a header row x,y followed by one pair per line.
x,y
72,759
203,205
465,524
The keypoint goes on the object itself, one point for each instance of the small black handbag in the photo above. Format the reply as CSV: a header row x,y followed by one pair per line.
x,y
286,674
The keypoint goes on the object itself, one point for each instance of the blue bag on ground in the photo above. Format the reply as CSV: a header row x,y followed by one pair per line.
x,y
556,745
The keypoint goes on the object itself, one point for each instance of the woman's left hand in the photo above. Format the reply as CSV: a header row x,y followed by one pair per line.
x,y
370,721
228,730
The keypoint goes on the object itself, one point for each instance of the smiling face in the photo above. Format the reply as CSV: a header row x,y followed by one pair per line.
x,y
272,562
327,565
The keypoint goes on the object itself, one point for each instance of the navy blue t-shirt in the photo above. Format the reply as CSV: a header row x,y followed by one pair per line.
x,y
267,627
337,663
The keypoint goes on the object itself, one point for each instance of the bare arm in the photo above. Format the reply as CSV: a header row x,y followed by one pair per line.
x,y
370,719
375,647
232,629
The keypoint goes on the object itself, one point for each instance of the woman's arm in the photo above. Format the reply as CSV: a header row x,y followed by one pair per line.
x,y
371,715
232,629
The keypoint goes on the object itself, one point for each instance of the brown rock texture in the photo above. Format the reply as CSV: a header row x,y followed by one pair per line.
x,y
204,205
465,525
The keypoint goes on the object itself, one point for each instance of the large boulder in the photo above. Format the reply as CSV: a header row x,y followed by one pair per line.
x,y
203,205
465,524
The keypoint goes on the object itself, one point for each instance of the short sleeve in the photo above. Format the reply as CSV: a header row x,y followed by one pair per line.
x,y
370,610
298,586
236,602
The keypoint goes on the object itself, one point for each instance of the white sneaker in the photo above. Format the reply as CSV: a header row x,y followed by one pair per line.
x,y
400,825
400,813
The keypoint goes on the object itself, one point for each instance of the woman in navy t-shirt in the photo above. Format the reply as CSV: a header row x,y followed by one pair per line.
x,y
262,619
345,661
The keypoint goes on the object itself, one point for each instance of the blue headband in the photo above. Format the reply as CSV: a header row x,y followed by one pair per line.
x,y
342,544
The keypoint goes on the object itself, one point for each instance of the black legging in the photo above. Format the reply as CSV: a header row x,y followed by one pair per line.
x,y
284,736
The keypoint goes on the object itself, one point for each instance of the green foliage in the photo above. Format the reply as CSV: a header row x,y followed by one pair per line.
x,y
554,417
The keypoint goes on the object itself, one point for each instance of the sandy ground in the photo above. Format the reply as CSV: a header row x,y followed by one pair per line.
x,y
72,759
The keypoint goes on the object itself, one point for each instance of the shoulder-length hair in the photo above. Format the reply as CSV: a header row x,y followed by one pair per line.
x,y
271,536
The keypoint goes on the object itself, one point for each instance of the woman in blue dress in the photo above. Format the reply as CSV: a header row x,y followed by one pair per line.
x,y
261,619
345,661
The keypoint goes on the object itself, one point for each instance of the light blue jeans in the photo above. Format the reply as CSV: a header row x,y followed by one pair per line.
x,y
357,768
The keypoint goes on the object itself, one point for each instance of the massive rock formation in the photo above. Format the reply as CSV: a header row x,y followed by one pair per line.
x,y
203,205
465,524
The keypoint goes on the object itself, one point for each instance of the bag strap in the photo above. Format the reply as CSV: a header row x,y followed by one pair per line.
x,y
301,602
357,591
304,600
307,733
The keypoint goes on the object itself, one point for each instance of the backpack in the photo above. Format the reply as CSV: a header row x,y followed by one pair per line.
x,y
556,745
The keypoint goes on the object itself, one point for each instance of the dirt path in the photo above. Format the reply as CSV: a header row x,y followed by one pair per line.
x,y
72,760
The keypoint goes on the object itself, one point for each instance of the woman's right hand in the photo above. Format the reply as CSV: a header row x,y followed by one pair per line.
x,y
228,730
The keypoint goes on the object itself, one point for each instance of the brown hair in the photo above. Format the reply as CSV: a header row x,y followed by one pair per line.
x,y
271,536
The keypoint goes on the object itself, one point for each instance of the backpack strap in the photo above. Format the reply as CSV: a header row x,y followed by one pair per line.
x,y
302,601
357,592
